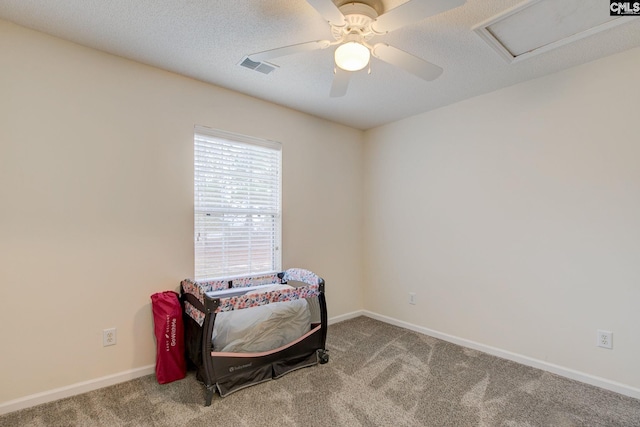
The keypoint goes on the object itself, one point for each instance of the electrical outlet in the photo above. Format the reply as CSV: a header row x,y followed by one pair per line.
x,y
605,339
412,298
108,337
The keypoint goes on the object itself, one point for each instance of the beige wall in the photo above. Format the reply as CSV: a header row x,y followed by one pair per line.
x,y
515,218
96,193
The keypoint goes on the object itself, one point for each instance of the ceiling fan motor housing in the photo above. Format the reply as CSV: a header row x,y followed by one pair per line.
x,y
358,18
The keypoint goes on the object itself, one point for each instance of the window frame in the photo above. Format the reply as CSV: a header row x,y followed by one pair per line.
x,y
219,139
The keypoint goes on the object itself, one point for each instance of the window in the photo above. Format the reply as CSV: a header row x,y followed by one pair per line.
x,y
237,204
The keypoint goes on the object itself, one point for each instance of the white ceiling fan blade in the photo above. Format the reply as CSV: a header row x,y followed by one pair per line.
x,y
412,11
340,83
416,66
329,11
289,50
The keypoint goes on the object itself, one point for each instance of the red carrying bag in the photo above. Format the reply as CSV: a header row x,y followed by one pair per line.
x,y
167,319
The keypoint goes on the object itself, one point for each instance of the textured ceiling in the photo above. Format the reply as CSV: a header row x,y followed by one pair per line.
x,y
206,39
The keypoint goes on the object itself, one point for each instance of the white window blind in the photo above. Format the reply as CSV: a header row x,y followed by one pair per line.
x,y
237,204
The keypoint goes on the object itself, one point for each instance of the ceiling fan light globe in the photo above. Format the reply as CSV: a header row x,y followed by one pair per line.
x,y
352,56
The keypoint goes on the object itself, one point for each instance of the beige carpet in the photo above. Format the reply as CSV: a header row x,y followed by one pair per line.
x,y
378,375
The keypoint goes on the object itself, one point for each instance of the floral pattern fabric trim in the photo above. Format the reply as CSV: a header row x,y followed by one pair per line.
x,y
194,313
255,300
193,288
301,275
214,285
245,282
198,289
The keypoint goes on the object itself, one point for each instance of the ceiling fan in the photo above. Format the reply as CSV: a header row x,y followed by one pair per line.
x,y
353,25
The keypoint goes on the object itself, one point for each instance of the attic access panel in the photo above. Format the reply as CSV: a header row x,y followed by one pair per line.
x,y
538,26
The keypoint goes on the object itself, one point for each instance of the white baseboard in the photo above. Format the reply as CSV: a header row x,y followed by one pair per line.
x,y
74,389
343,317
524,360
86,386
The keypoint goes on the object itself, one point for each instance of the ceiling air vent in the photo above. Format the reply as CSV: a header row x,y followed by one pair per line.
x,y
262,67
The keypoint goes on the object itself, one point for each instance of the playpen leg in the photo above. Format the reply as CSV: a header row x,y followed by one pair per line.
x,y
209,395
323,356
